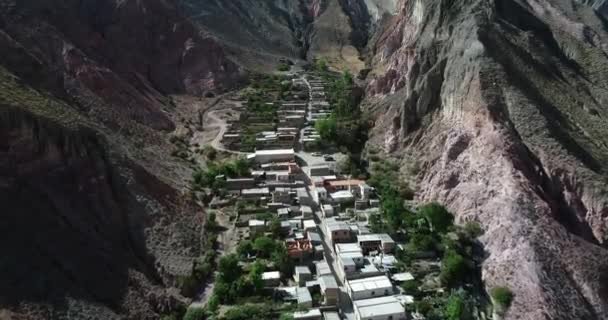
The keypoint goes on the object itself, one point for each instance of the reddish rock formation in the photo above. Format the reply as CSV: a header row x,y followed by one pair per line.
x,y
129,53
504,104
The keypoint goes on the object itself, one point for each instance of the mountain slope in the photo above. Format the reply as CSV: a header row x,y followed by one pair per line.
x,y
95,222
503,103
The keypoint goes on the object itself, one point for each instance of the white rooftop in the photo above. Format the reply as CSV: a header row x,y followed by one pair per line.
x,y
256,223
344,194
403,276
323,268
271,275
378,307
373,283
327,282
309,224
331,315
256,191
274,152
310,314
302,270
347,247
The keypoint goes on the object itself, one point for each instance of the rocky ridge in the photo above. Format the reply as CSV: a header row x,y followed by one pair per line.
x,y
504,106
96,221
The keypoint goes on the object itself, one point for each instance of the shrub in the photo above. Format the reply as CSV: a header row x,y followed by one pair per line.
x,y
411,287
502,297
472,230
458,306
264,246
438,216
244,248
247,312
194,314
283,67
453,269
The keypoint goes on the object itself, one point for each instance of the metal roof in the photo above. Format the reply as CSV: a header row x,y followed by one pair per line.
x,y
373,283
377,307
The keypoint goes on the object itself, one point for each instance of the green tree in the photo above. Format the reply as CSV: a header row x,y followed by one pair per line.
x,y
213,304
502,297
229,268
422,243
327,128
321,65
286,316
264,246
194,314
274,226
248,312
222,290
255,276
411,287
453,269
438,216
455,307
280,258
245,248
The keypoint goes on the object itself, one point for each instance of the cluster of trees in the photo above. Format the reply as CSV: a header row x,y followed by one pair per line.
x,y
233,282
393,194
345,126
431,230
269,249
207,178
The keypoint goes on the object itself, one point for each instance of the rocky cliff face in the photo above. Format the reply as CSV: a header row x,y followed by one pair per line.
x,y
504,105
128,53
95,223
269,31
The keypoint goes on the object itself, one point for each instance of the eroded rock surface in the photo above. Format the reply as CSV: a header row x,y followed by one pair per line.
x,y
504,103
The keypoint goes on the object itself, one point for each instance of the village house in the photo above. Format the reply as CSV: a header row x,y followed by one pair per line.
x,y
271,278
239,183
309,225
367,288
350,250
256,227
376,242
302,274
322,268
312,314
329,290
342,197
304,297
255,193
337,231
267,156
382,308
300,250
319,171
327,210
306,212
331,315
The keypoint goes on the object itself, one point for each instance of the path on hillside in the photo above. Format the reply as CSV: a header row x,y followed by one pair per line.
x,y
212,121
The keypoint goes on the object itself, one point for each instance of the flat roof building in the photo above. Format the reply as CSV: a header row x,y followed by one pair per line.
x,y
279,155
367,288
329,289
383,308
322,268
271,278
312,314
